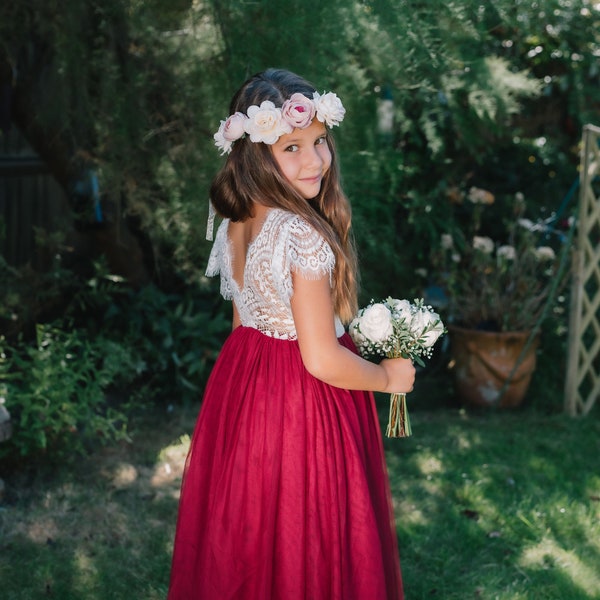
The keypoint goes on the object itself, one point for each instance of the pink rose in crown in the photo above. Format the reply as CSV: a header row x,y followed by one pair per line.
x,y
234,127
230,130
298,111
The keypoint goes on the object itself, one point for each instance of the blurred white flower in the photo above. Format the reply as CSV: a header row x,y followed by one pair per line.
x,y
446,241
507,252
545,253
483,244
479,196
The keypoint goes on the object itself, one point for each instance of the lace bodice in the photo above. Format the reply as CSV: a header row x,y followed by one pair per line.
x,y
286,243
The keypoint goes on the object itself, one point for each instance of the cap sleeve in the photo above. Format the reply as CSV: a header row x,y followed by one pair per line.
x,y
308,252
304,251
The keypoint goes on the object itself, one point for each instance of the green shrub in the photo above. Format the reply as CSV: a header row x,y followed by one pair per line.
x,y
176,336
55,390
115,351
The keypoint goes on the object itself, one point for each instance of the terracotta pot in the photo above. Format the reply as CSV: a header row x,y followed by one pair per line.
x,y
483,360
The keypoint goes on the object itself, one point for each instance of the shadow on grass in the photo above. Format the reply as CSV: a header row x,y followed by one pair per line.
x,y
100,528
497,504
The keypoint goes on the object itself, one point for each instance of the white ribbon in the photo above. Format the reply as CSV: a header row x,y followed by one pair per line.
x,y
210,223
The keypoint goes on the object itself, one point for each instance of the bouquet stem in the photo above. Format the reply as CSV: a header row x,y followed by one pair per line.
x,y
398,422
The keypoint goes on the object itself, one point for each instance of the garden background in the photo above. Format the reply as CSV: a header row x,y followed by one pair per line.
x,y
109,327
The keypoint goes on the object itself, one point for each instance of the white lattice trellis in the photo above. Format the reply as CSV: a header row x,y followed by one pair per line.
x,y
582,386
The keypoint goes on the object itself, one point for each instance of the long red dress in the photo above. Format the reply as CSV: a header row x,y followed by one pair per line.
x,y
285,492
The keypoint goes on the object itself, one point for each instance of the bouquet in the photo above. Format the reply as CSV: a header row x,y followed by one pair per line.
x,y
393,329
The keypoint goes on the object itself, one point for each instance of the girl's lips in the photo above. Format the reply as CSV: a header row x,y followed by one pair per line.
x,y
311,179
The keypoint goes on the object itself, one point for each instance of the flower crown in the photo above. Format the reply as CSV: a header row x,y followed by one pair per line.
x,y
267,123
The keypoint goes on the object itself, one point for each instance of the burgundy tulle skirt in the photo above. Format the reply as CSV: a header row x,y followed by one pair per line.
x,y
285,493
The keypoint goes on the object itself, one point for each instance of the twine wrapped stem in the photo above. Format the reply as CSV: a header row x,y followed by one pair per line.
x,y
399,421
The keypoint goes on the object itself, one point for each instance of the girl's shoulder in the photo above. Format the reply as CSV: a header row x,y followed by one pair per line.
x,y
305,249
292,224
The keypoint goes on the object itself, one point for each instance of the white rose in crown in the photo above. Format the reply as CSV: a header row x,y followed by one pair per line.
x,y
426,326
376,323
264,123
329,108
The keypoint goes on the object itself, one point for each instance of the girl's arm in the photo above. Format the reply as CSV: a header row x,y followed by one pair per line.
x,y
325,358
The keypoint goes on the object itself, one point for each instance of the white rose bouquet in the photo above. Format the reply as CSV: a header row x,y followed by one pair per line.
x,y
393,329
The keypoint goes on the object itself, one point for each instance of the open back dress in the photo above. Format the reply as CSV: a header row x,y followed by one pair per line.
x,y
285,494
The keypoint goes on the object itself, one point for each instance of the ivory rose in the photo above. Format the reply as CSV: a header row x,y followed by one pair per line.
x,y
426,326
264,123
376,323
401,308
298,111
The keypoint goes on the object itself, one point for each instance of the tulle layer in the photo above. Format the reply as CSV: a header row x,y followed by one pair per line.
x,y
285,493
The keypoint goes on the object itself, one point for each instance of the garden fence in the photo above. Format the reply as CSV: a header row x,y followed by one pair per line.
x,y
582,386
30,200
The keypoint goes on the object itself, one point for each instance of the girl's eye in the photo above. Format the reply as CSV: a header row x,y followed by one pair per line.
x,y
292,148
320,140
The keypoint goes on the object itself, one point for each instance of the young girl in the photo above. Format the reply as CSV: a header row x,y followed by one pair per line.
x,y
285,493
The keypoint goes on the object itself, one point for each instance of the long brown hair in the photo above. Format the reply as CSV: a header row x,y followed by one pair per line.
x,y
251,174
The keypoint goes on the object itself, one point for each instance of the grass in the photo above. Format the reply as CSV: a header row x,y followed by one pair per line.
x,y
498,506
489,505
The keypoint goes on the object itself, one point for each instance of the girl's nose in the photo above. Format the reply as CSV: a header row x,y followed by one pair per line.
x,y
315,157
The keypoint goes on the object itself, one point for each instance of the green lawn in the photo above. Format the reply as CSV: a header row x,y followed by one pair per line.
x,y
489,505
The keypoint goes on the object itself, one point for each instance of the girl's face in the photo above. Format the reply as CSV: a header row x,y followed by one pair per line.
x,y
303,157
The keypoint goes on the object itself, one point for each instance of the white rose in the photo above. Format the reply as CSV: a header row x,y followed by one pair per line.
x,y
402,309
426,326
265,124
330,109
376,323
354,331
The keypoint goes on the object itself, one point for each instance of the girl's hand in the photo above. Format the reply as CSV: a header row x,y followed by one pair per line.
x,y
400,374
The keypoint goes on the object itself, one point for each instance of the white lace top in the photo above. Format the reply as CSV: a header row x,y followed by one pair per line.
x,y
286,243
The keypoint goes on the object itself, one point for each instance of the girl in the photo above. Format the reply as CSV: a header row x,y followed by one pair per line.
x,y
285,493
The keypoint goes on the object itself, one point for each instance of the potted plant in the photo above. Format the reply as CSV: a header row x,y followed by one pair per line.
x,y
497,274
